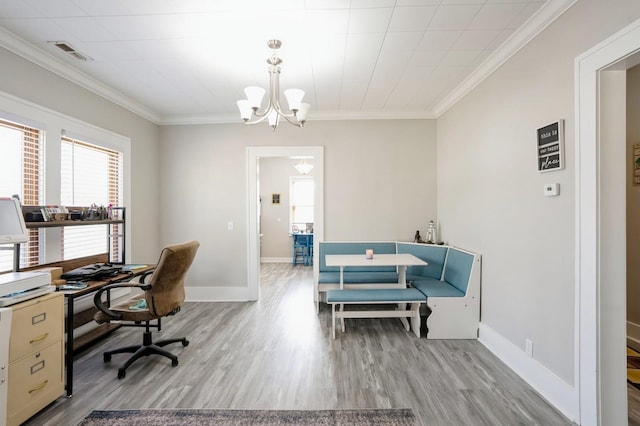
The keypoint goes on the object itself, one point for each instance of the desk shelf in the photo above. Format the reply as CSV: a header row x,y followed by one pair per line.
x,y
111,235
64,223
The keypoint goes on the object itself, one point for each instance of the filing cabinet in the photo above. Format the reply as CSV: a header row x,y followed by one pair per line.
x,y
36,356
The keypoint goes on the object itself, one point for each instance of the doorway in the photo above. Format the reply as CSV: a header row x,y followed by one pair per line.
x,y
600,299
253,204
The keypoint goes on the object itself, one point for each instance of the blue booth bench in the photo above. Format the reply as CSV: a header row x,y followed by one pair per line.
x,y
355,276
450,282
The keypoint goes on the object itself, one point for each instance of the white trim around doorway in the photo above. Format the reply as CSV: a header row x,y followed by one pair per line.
x,y
254,153
588,359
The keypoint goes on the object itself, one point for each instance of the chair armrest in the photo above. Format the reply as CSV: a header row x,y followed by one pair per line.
x,y
143,277
97,298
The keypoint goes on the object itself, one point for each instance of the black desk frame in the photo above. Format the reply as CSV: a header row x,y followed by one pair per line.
x,y
70,296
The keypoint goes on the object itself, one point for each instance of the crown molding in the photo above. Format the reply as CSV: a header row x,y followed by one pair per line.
x,y
372,115
336,115
548,13
30,52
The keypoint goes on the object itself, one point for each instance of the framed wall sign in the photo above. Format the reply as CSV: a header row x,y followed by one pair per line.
x,y
275,198
550,145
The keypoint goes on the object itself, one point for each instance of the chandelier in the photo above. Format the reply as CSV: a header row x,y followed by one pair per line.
x,y
303,167
250,107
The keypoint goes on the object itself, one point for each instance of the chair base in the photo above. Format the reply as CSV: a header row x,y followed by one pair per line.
x,y
147,348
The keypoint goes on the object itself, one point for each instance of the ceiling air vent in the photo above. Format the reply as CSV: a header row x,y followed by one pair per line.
x,y
66,48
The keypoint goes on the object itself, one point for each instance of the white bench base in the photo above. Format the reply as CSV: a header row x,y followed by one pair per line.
x,y
403,312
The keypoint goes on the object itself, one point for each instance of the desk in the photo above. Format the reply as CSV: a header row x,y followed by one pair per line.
x,y
73,321
401,260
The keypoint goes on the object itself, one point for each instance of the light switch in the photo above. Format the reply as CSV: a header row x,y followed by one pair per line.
x,y
551,189
229,226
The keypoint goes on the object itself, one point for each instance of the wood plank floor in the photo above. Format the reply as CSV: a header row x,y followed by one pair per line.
x,y
277,353
634,405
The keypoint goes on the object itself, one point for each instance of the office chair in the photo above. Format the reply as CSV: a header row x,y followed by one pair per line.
x,y
162,297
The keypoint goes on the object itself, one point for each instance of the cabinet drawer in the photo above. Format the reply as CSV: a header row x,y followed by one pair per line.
x,y
34,381
36,324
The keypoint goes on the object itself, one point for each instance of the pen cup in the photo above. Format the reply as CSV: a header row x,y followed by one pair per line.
x,y
368,254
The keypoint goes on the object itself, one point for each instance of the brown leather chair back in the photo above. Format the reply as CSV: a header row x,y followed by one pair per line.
x,y
167,282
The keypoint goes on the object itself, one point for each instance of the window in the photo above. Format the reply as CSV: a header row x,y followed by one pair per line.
x,y
21,174
301,203
90,175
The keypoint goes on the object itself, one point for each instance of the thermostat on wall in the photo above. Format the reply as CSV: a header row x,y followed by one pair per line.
x,y
551,189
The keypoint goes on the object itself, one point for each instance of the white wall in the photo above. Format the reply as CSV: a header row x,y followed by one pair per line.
x,y
491,200
380,182
275,173
23,79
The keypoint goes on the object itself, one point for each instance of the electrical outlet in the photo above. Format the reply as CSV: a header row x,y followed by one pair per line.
x,y
529,347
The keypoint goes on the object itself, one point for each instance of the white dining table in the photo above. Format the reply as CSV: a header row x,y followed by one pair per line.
x,y
401,260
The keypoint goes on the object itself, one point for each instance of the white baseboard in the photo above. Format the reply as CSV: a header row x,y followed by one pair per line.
x,y
216,294
633,335
275,260
556,391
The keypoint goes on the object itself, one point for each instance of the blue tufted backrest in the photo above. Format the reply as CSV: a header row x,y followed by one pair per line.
x,y
359,247
432,254
457,269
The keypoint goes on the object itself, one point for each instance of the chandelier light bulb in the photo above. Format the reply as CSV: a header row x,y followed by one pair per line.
x,y
245,109
274,119
254,96
294,98
302,113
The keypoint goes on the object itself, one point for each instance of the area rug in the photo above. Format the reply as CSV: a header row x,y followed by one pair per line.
x,y
395,417
633,367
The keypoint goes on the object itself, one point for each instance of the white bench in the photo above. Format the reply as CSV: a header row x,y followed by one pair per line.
x,y
401,296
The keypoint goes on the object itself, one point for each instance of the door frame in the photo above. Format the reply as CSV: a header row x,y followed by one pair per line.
x,y
615,50
253,155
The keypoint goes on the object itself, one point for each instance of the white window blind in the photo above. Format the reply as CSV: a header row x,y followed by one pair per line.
x,y
301,200
90,175
21,174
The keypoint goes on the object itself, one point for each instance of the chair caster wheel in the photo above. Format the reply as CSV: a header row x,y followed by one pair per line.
x,y
185,342
106,357
121,373
174,362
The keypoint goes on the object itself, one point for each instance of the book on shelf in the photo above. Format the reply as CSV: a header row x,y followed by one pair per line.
x,y
50,213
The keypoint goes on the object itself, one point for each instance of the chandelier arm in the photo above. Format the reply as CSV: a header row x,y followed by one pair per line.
x,y
294,123
259,120
274,95
266,111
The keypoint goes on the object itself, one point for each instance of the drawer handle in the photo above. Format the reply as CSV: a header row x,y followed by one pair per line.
x,y
39,338
40,386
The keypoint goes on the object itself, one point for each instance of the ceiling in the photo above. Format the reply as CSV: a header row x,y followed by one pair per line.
x,y
188,61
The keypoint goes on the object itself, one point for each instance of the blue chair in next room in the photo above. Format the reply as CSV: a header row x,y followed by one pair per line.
x,y
302,249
